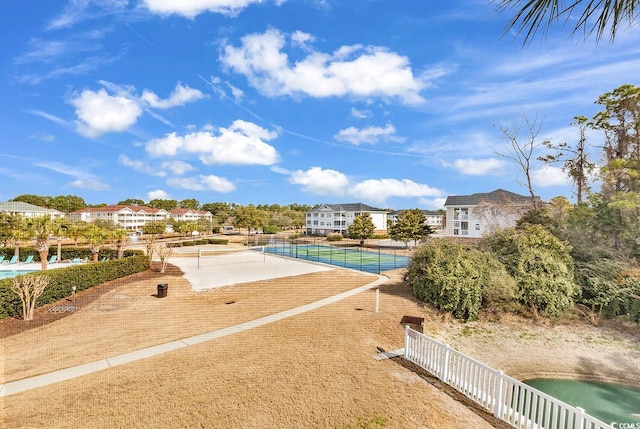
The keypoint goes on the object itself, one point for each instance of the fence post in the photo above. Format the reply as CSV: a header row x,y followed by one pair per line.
x,y
579,418
407,349
498,399
444,365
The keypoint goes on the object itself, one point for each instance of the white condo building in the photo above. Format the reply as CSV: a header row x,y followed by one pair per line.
x,y
478,214
336,218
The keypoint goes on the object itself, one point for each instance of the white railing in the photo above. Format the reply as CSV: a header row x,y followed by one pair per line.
x,y
506,398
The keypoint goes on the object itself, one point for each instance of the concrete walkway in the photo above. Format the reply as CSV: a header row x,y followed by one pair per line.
x,y
18,386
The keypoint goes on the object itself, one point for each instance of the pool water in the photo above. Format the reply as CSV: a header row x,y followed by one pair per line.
x,y
611,403
14,273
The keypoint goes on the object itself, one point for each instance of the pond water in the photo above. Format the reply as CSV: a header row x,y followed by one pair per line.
x,y
611,403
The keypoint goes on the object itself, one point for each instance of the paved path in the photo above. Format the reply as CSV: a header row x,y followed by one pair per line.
x,y
18,386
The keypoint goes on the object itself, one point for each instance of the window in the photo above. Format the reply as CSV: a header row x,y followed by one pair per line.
x,y
477,227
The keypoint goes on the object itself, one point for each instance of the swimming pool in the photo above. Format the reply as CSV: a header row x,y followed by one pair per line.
x,y
6,274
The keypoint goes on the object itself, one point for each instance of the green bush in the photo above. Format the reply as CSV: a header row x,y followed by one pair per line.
x,y
188,243
448,276
540,263
380,236
61,281
500,289
218,241
334,237
270,229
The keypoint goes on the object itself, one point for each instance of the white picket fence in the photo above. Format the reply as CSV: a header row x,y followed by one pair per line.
x,y
516,403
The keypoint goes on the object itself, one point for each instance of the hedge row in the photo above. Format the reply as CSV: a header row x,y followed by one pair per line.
x,y
61,281
199,242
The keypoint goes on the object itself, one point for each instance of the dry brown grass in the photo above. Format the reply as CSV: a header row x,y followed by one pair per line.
x,y
314,370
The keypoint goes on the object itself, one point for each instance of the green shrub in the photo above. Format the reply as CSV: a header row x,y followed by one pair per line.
x,y
448,276
188,243
500,289
541,264
218,241
270,229
334,237
61,281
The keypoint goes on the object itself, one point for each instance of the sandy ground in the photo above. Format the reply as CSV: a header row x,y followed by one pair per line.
x,y
314,370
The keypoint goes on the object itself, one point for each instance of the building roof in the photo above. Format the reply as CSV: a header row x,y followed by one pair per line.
x,y
21,207
497,197
117,208
186,211
349,207
426,212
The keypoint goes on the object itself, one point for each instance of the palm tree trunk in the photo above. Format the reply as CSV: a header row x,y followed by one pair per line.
x,y
44,254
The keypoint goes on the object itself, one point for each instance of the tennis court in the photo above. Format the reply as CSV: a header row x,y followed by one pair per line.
x,y
357,259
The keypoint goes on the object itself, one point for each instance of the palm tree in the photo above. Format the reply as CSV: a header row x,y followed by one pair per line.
x,y
41,228
96,237
14,232
59,228
121,237
532,16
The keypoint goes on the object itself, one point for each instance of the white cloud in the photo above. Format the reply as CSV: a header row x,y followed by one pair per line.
x,y
158,194
378,190
99,112
240,144
140,166
360,114
202,183
280,170
370,135
359,71
192,8
179,97
331,182
301,38
177,167
319,181
478,167
83,178
548,176
433,203
45,137
93,185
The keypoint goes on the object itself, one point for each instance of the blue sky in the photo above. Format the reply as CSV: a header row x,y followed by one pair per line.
x,y
393,104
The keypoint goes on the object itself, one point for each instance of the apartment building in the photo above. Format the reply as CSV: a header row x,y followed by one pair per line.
x,y
481,213
336,218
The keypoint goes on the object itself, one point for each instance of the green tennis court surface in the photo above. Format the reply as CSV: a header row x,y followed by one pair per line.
x,y
358,259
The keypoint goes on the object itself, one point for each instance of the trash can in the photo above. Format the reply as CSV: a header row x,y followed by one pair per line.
x,y
162,290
